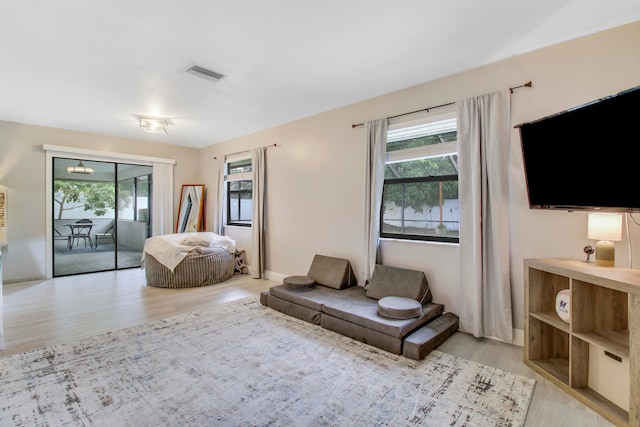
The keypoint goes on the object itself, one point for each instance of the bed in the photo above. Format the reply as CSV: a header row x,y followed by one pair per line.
x,y
184,260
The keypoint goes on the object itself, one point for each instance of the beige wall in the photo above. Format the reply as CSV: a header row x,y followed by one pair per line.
x,y
22,170
315,176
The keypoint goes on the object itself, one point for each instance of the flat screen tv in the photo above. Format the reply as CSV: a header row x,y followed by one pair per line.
x,y
585,158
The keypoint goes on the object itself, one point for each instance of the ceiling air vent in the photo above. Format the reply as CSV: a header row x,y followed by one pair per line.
x,y
205,73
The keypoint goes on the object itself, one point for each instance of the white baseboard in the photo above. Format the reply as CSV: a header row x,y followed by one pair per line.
x,y
518,337
276,277
26,279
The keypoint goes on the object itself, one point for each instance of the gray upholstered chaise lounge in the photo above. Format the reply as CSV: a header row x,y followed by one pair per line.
x,y
337,304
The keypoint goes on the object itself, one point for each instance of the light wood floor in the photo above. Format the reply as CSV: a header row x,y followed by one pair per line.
x,y
44,312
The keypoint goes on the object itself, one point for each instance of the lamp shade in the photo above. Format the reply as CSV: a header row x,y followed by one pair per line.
x,y
605,226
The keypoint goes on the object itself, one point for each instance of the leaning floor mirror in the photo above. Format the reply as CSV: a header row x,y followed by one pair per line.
x,y
191,213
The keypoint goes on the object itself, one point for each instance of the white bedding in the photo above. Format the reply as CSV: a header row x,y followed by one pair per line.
x,y
171,249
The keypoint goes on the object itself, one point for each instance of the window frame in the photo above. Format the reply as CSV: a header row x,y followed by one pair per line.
x,y
417,153
229,178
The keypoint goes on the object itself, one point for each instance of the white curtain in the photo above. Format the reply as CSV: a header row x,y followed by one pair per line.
x,y
256,270
483,152
376,132
162,198
218,192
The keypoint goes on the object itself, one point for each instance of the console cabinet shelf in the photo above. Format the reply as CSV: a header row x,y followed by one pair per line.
x,y
600,343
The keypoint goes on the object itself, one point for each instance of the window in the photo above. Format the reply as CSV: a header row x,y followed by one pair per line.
x,y
420,195
239,192
133,198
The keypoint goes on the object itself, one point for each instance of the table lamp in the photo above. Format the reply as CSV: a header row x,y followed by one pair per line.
x,y
606,228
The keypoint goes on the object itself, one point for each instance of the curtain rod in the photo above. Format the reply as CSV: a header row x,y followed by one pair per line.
x,y
247,151
511,89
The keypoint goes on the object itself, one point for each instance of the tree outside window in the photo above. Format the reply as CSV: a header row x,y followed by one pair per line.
x,y
71,196
420,195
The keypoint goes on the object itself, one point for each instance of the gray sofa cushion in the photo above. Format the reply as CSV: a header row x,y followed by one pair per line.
x,y
426,339
364,312
399,308
316,297
401,282
354,311
303,313
362,334
332,272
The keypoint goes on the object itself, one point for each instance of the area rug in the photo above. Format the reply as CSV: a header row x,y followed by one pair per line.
x,y
242,364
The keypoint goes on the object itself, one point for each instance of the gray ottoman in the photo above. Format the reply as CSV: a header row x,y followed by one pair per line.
x,y
299,283
399,307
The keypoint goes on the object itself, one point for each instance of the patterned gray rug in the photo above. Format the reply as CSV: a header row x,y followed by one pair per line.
x,y
242,364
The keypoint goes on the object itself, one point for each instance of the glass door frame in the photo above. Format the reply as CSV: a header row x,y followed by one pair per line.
x,y
52,151
114,196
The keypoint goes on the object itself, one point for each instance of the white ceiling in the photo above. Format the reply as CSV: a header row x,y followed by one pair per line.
x,y
95,65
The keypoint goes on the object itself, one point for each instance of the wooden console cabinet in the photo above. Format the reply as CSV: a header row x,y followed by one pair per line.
x,y
604,326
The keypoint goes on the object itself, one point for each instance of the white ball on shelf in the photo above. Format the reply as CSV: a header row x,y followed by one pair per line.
x,y
563,304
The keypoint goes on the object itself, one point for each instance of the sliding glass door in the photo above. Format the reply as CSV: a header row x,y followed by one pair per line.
x,y
101,215
134,208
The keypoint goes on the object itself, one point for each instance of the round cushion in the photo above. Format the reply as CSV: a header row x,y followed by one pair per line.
x,y
399,308
563,304
298,283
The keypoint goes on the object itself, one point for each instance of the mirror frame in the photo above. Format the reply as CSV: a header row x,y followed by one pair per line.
x,y
3,218
191,211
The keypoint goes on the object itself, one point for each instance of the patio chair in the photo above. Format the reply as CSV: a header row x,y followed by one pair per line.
x,y
108,233
59,236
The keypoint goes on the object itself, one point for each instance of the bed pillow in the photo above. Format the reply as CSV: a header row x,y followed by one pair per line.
x,y
225,242
199,239
400,282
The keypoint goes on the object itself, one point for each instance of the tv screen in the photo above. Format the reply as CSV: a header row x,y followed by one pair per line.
x,y
585,158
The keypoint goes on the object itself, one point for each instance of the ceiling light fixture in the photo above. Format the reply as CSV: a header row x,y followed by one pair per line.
x,y
153,124
82,169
